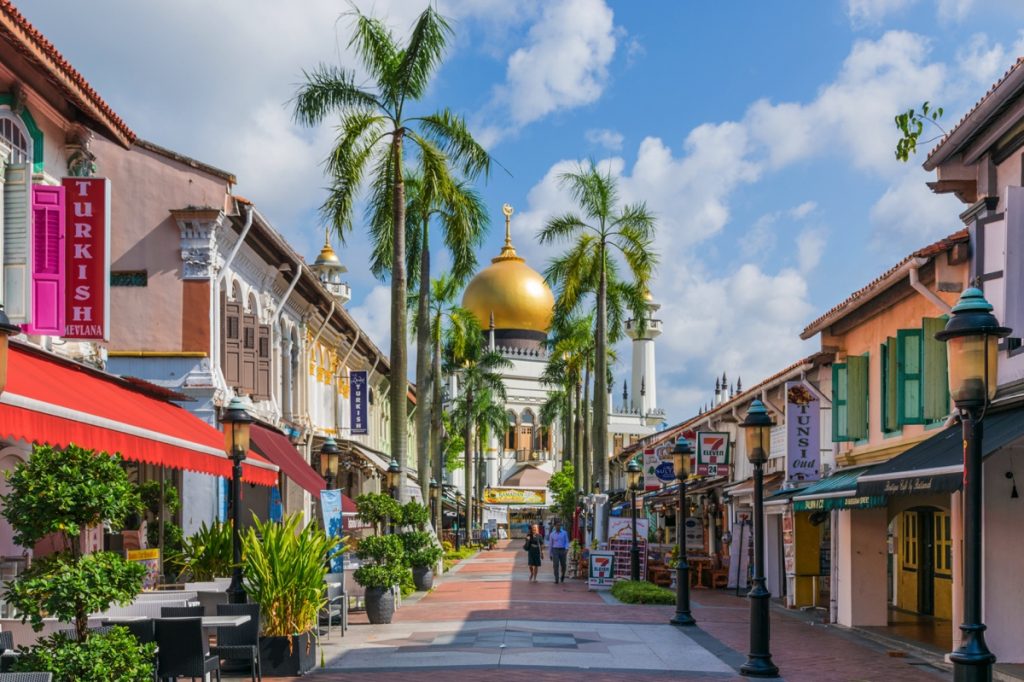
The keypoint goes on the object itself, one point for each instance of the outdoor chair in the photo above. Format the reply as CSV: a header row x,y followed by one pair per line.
x,y
336,607
181,612
184,650
210,600
242,642
72,633
26,677
7,653
142,630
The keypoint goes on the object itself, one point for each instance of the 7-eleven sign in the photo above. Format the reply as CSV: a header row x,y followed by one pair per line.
x,y
712,453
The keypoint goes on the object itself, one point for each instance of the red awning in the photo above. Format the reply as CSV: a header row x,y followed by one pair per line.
x,y
55,401
279,450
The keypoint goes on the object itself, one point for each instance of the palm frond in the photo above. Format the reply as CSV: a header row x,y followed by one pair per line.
x,y
594,191
422,55
451,134
330,89
376,47
562,227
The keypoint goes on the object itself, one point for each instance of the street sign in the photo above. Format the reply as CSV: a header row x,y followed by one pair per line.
x,y
601,570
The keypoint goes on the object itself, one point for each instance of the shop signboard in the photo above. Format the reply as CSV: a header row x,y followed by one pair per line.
x,y
788,543
150,559
803,433
693,534
712,453
87,259
658,467
829,503
330,508
358,392
534,497
621,528
601,571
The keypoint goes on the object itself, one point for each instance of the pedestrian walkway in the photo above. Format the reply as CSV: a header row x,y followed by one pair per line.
x,y
486,621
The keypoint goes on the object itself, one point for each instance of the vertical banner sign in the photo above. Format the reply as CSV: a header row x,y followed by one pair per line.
x,y
803,433
330,508
357,401
712,453
650,468
87,259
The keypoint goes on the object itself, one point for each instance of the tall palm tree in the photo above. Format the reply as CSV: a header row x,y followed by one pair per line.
x,y
600,234
571,346
372,132
460,211
490,417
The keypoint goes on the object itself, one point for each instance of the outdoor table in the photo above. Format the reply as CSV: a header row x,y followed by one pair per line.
x,y
208,621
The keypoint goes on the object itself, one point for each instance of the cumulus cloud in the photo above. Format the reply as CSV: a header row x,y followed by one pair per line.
x,y
863,12
374,316
810,246
603,137
908,215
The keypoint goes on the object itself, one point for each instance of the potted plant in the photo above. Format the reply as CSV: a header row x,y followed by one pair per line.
x,y
384,568
284,569
422,556
204,555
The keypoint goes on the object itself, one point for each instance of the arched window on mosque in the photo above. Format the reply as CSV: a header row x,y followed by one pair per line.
x,y
526,431
510,432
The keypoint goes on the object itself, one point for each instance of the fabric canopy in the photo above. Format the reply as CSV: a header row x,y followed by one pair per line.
x,y
59,402
279,450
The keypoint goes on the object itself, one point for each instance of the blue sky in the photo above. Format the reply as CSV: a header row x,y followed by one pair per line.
x,y
760,133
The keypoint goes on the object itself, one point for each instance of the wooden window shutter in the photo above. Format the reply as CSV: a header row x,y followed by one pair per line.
x,y
908,387
890,415
936,378
249,332
857,398
17,239
232,343
47,292
840,413
263,363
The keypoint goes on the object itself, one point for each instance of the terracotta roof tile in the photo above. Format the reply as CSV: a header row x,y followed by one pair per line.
x,y
34,45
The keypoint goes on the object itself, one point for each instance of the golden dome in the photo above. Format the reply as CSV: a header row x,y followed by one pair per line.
x,y
511,290
328,257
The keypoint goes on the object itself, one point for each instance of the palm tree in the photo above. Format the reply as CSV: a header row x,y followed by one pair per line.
x,y
372,132
588,268
490,417
571,346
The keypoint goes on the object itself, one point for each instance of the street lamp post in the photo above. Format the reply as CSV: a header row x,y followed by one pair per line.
x,y
757,429
236,422
458,520
634,476
329,453
972,338
393,480
681,454
434,490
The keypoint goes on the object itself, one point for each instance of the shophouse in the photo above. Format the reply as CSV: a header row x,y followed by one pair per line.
x,y
980,161
893,537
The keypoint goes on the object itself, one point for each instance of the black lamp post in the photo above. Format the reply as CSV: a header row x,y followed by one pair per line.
x,y
236,421
458,520
757,429
329,453
681,454
394,478
972,344
434,490
634,476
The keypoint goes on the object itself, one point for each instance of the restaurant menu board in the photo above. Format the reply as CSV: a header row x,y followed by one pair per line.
x,y
624,558
788,542
601,570
150,558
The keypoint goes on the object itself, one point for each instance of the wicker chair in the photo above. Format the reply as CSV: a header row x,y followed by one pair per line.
x,y
26,677
242,642
335,608
181,612
184,649
72,633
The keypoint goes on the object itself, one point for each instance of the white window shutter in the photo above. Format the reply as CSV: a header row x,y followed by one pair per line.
x,y
17,242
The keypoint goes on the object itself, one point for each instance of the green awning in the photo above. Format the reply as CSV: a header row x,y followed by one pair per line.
x,y
838,491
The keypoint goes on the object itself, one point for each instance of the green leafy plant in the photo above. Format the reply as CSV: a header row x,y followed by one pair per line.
x,y
284,572
562,485
415,514
910,123
205,555
114,655
378,509
387,561
407,584
149,491
641,592
426,557
173,537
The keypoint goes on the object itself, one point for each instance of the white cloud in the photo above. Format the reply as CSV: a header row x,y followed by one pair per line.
x,y
374,316
803,210
863,12
954,10
603,137
909,216
810,246
980,61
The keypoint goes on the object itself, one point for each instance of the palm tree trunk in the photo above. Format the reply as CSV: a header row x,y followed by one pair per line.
x,y
600,456
579,426
435,430
588,480
424,390
468,437
398,387
568,452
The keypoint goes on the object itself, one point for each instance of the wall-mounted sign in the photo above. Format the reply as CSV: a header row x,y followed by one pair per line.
x,y
712,453
657,467
358,395
828,503
150,559
524,496
87,258
803,433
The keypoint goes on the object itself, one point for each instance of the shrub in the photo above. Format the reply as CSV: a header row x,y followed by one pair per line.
x,y
205,555
641,592
378,509
415,514
173,536
447,546
150,494
114,655
406,583
386,558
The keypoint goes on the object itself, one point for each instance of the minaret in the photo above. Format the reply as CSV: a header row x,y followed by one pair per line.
x,y
645,401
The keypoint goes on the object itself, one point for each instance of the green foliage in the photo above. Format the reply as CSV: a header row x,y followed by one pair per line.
x,y
205,555
284,572
149,491
386,557
415,514
379,576
562,485
173,537
378,509
406,583
69,588
114,655
452,557
415,540
420,550
67,491
911,125
447,546
641,592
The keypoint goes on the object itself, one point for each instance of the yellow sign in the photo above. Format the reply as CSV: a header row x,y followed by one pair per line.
x,y
530,496
143,554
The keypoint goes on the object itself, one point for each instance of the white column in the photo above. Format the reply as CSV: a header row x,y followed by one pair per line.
x,y
862,567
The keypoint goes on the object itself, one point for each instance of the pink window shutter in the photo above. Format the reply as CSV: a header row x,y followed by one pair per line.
x,y
48,220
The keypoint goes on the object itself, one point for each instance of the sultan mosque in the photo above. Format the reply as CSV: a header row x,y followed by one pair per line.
x,y
513,302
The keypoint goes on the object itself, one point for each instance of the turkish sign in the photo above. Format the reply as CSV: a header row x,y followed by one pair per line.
x,y
712,453
87,259
358,393
330,509
523,496
803,433
600,575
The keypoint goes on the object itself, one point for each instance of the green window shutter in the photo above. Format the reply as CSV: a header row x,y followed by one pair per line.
x,y
857,398
890,381
909,394
936,379
839,394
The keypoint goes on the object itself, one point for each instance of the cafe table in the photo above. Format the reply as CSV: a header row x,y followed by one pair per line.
x,y
207,621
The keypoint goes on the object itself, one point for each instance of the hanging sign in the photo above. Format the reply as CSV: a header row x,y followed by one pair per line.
x,y
536,497
712,453
87,259
657,469
803,433
359,392
693,533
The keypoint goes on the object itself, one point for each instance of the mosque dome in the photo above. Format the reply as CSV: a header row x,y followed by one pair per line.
x,y
511,290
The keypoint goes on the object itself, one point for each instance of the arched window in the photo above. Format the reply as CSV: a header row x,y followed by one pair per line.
x,y
526,431
510,432
15,136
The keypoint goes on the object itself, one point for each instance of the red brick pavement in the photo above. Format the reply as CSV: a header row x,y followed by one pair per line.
x,y
481,590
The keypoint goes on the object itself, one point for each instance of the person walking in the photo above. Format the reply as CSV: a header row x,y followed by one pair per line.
x,y
558,543
535,551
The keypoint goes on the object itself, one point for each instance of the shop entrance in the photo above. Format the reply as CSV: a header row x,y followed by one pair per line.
x,y
926,563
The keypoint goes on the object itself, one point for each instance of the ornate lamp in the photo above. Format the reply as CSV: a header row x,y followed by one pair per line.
x,y
681,454
329,455
236,421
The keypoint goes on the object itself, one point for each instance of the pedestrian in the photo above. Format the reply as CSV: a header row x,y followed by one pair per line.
x,y
558,543
534,547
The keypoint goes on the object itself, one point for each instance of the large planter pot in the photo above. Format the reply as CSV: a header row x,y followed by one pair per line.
x,y
423,577
380,605
278,659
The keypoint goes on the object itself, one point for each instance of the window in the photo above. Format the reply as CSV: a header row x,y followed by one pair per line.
x,y
890,415
910,540
13,133
915,387
936,379
510,432
909,394
850,399
943,544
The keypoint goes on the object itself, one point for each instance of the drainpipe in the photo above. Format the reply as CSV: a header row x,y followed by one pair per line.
x,y
327,319
238,245
920,288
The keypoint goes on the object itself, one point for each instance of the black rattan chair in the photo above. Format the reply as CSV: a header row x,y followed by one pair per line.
x,y
26,677
335,608
242,642
184,649
181,612
142,630
72,633
7,654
